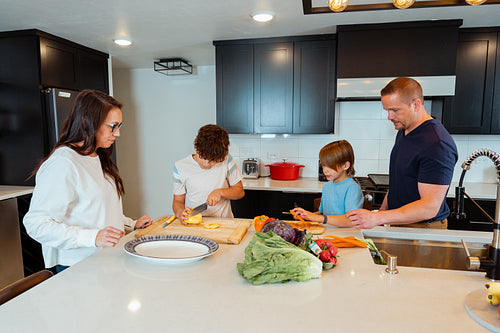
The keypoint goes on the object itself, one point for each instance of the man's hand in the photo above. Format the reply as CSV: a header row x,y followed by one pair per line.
x,y
363,219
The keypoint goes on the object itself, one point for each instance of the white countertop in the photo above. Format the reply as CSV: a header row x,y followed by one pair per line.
x,y
8,192
313,185
114,292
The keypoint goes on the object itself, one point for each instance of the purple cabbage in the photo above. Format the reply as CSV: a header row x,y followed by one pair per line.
x,y
286,231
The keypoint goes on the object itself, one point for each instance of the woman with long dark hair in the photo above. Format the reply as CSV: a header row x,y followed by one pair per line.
x,y
77,202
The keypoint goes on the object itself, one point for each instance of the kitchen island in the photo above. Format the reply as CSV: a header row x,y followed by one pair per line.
x,y
11,260
115,292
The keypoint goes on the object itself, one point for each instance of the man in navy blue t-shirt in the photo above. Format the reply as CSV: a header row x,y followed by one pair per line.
x,y
421,164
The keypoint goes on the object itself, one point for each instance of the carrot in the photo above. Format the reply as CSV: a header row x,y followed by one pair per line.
x,y
343,244
347,240
295,215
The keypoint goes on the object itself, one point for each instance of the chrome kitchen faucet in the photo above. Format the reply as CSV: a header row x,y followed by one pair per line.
x,y
491,263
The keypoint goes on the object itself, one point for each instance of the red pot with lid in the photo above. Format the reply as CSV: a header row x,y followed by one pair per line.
x,y
284,170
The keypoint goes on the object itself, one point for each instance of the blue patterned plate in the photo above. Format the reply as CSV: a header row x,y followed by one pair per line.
x,y
171,248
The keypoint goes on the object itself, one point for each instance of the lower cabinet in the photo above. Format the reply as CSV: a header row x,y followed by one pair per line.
x,y
475,219
275,204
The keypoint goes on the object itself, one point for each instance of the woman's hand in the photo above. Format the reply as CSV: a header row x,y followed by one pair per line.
x,y
143,222
108,237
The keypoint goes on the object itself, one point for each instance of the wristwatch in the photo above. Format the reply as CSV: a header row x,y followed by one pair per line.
x,y
325,218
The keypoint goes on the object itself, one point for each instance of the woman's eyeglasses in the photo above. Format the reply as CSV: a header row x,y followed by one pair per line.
x,y
114,127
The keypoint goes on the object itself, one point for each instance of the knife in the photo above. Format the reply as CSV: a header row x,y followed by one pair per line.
x,y
170,219
198,209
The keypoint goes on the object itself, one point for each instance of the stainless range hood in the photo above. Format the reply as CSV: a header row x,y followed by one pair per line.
x,y
369,88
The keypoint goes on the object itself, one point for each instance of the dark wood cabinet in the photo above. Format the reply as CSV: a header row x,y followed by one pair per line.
x,y
30,61
474,108
272,203
495,114
58,64
92,70
234,70
273,88
276,85
314,87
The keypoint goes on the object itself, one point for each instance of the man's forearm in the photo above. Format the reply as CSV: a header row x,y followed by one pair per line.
x,y
410,213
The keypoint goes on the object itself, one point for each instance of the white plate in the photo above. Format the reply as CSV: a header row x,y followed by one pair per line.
x,y
171,248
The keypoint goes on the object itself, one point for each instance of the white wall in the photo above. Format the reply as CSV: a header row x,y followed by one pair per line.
x,y
162,114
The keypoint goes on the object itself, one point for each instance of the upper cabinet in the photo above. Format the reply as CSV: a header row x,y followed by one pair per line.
x,y
64,64
60,63
234,71
475,108
276,85
273,88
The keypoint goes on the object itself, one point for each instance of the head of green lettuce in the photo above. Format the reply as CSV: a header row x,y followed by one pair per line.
x,y
269,259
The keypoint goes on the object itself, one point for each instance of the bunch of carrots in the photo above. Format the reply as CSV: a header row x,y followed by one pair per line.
x,y
350,241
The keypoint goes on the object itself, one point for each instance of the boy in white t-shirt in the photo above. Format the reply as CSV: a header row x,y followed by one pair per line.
x,y
210,176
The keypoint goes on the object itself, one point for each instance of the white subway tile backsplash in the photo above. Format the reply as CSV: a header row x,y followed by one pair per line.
x,y
387,130
364,167
358,129
364,124
310,168
361,111
309,148
365,149
280,147
383,166
385,148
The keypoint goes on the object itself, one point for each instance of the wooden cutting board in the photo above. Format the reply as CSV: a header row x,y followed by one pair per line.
x,y
314,228
231,231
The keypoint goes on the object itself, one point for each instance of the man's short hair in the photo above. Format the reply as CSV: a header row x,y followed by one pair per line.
x,y
407,88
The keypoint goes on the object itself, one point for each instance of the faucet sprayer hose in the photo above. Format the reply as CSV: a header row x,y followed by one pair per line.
x,y
493,156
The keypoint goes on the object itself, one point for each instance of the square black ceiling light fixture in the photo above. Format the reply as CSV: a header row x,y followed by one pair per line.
x,y
173,66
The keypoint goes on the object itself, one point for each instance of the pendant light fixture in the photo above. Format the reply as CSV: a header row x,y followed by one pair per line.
x,y
475,2
402,4
344,6
338,5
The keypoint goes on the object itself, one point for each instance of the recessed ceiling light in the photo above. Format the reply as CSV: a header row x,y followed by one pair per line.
x,y
262,15
122,41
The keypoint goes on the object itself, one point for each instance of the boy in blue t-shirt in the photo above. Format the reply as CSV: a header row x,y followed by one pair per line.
x,y
341,194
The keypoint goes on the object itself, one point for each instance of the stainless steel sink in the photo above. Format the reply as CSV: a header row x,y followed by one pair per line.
x,y
429,254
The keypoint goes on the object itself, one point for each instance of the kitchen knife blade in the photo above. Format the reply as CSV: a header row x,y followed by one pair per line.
x,y
170,219
198,209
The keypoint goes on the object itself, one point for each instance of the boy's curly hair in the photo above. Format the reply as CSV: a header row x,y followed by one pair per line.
x,y
212,143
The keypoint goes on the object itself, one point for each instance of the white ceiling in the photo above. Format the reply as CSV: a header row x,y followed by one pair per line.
x,y
186,28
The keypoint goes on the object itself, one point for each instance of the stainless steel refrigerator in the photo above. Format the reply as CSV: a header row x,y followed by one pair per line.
x,y
30,122
58,106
